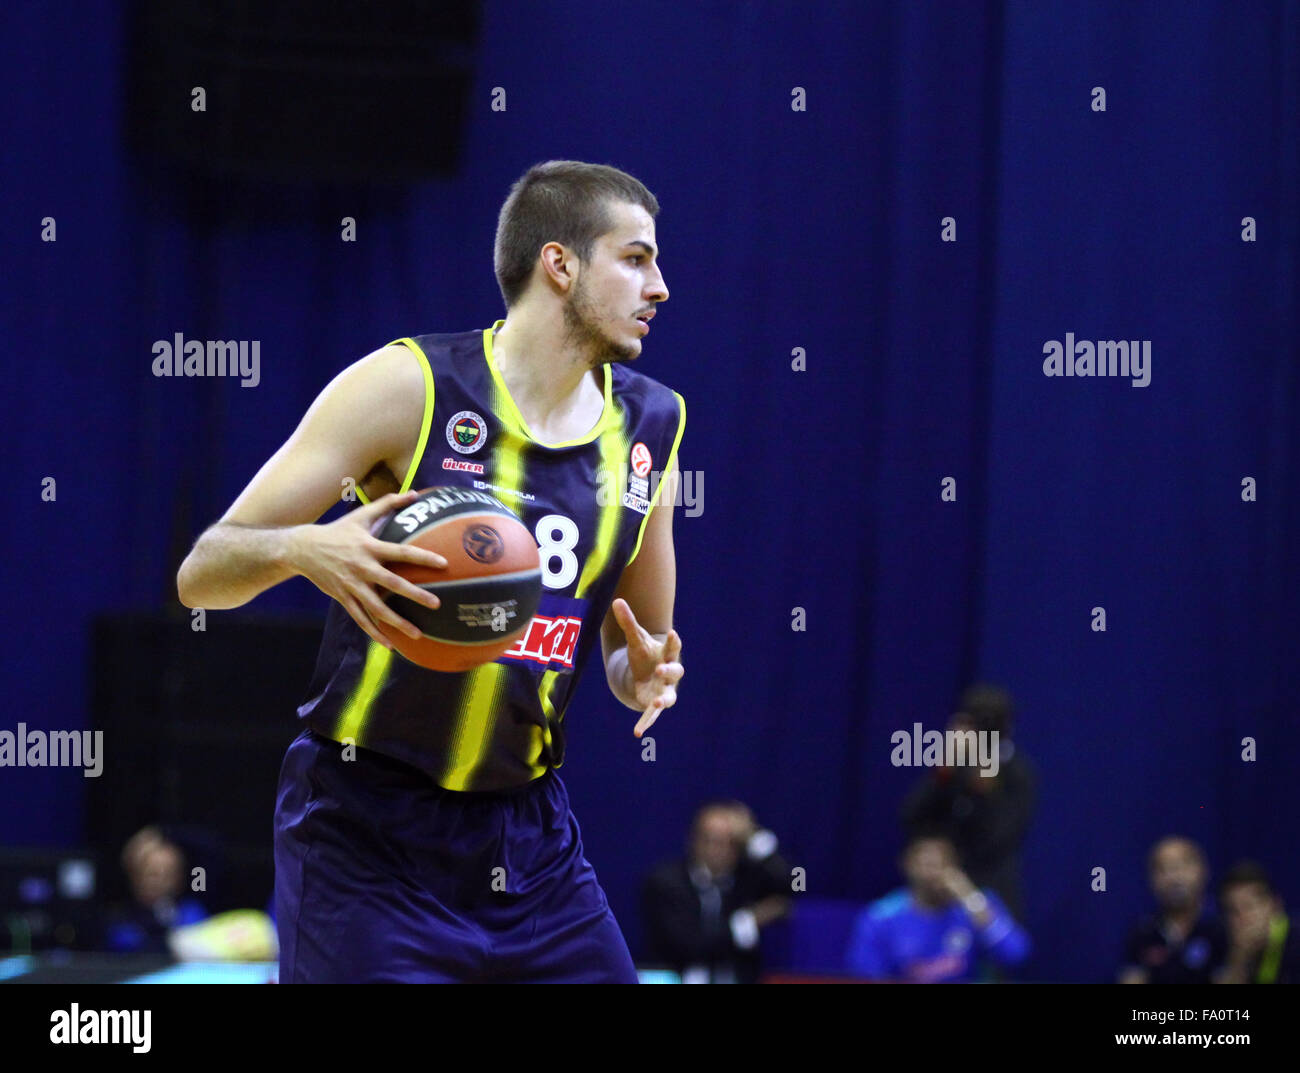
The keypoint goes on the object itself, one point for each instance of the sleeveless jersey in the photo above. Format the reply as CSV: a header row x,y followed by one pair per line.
x,y
586,501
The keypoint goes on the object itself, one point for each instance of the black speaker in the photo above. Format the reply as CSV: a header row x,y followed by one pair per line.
x,y
195,726
302,91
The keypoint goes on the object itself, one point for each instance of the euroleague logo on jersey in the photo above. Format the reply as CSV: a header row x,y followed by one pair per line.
x,y
466,432
637,495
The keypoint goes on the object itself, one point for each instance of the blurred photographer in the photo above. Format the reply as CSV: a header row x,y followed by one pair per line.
x,y
985,818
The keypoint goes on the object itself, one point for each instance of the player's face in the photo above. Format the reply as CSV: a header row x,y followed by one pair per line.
x,y
616,292
1177,877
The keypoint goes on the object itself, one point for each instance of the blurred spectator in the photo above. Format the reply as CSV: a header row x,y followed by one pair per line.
x,y
1182,943
941,928
704,912
1262,948
156,869
985,818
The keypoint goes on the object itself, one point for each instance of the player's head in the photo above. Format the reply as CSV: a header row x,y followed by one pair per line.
x,y
714,843
926,857
1249,900
1178,873
581,238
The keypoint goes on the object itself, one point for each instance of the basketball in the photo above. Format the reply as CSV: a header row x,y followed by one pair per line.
x,y
489,590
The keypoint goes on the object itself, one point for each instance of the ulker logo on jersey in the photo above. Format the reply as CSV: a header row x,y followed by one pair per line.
x,y
461,465
551,640
466,432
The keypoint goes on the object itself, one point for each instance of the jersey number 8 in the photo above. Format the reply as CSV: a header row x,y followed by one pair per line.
x,y
557,536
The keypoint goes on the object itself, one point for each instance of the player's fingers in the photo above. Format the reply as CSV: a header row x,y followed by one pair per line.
x,y
627,622
623,614
398,584
407,553
666,699
669,673
672,647
648,718
363,620
382,505
378,610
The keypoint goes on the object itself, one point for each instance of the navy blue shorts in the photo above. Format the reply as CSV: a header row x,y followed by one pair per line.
x,y
382,876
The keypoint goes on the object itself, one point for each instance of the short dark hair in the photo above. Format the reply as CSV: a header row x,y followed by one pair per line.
x,y
989,706
1246,874
563,201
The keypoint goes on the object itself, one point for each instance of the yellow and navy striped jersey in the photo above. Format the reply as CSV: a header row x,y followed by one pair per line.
x,y
586,501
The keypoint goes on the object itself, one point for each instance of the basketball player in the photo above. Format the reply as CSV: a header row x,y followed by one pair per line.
x,y
421,832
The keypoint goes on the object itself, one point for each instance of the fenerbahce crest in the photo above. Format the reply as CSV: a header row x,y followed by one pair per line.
x,y
466,432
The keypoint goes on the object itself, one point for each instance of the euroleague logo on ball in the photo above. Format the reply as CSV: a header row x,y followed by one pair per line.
x,y
483,544
641,460
466,432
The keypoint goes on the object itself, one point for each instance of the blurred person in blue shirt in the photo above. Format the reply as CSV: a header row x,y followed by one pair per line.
x,y
940,928
156,868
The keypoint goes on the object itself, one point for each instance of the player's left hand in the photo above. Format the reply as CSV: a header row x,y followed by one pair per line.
x,y
655,666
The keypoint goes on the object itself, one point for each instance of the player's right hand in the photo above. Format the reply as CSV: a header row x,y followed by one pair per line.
x,y
345,561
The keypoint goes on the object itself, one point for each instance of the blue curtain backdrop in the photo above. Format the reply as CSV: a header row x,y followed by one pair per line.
x,y
779,229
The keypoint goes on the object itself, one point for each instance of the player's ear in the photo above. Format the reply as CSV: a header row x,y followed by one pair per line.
x,y
560,266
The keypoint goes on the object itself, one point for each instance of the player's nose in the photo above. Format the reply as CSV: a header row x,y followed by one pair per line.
x,y
656,288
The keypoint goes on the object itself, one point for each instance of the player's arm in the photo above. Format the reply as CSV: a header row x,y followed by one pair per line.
x,y
361,426
642,650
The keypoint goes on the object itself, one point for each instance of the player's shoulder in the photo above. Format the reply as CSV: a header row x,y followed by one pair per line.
x,y
384,376
646,399
451,344
400,366
628,381
374,401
